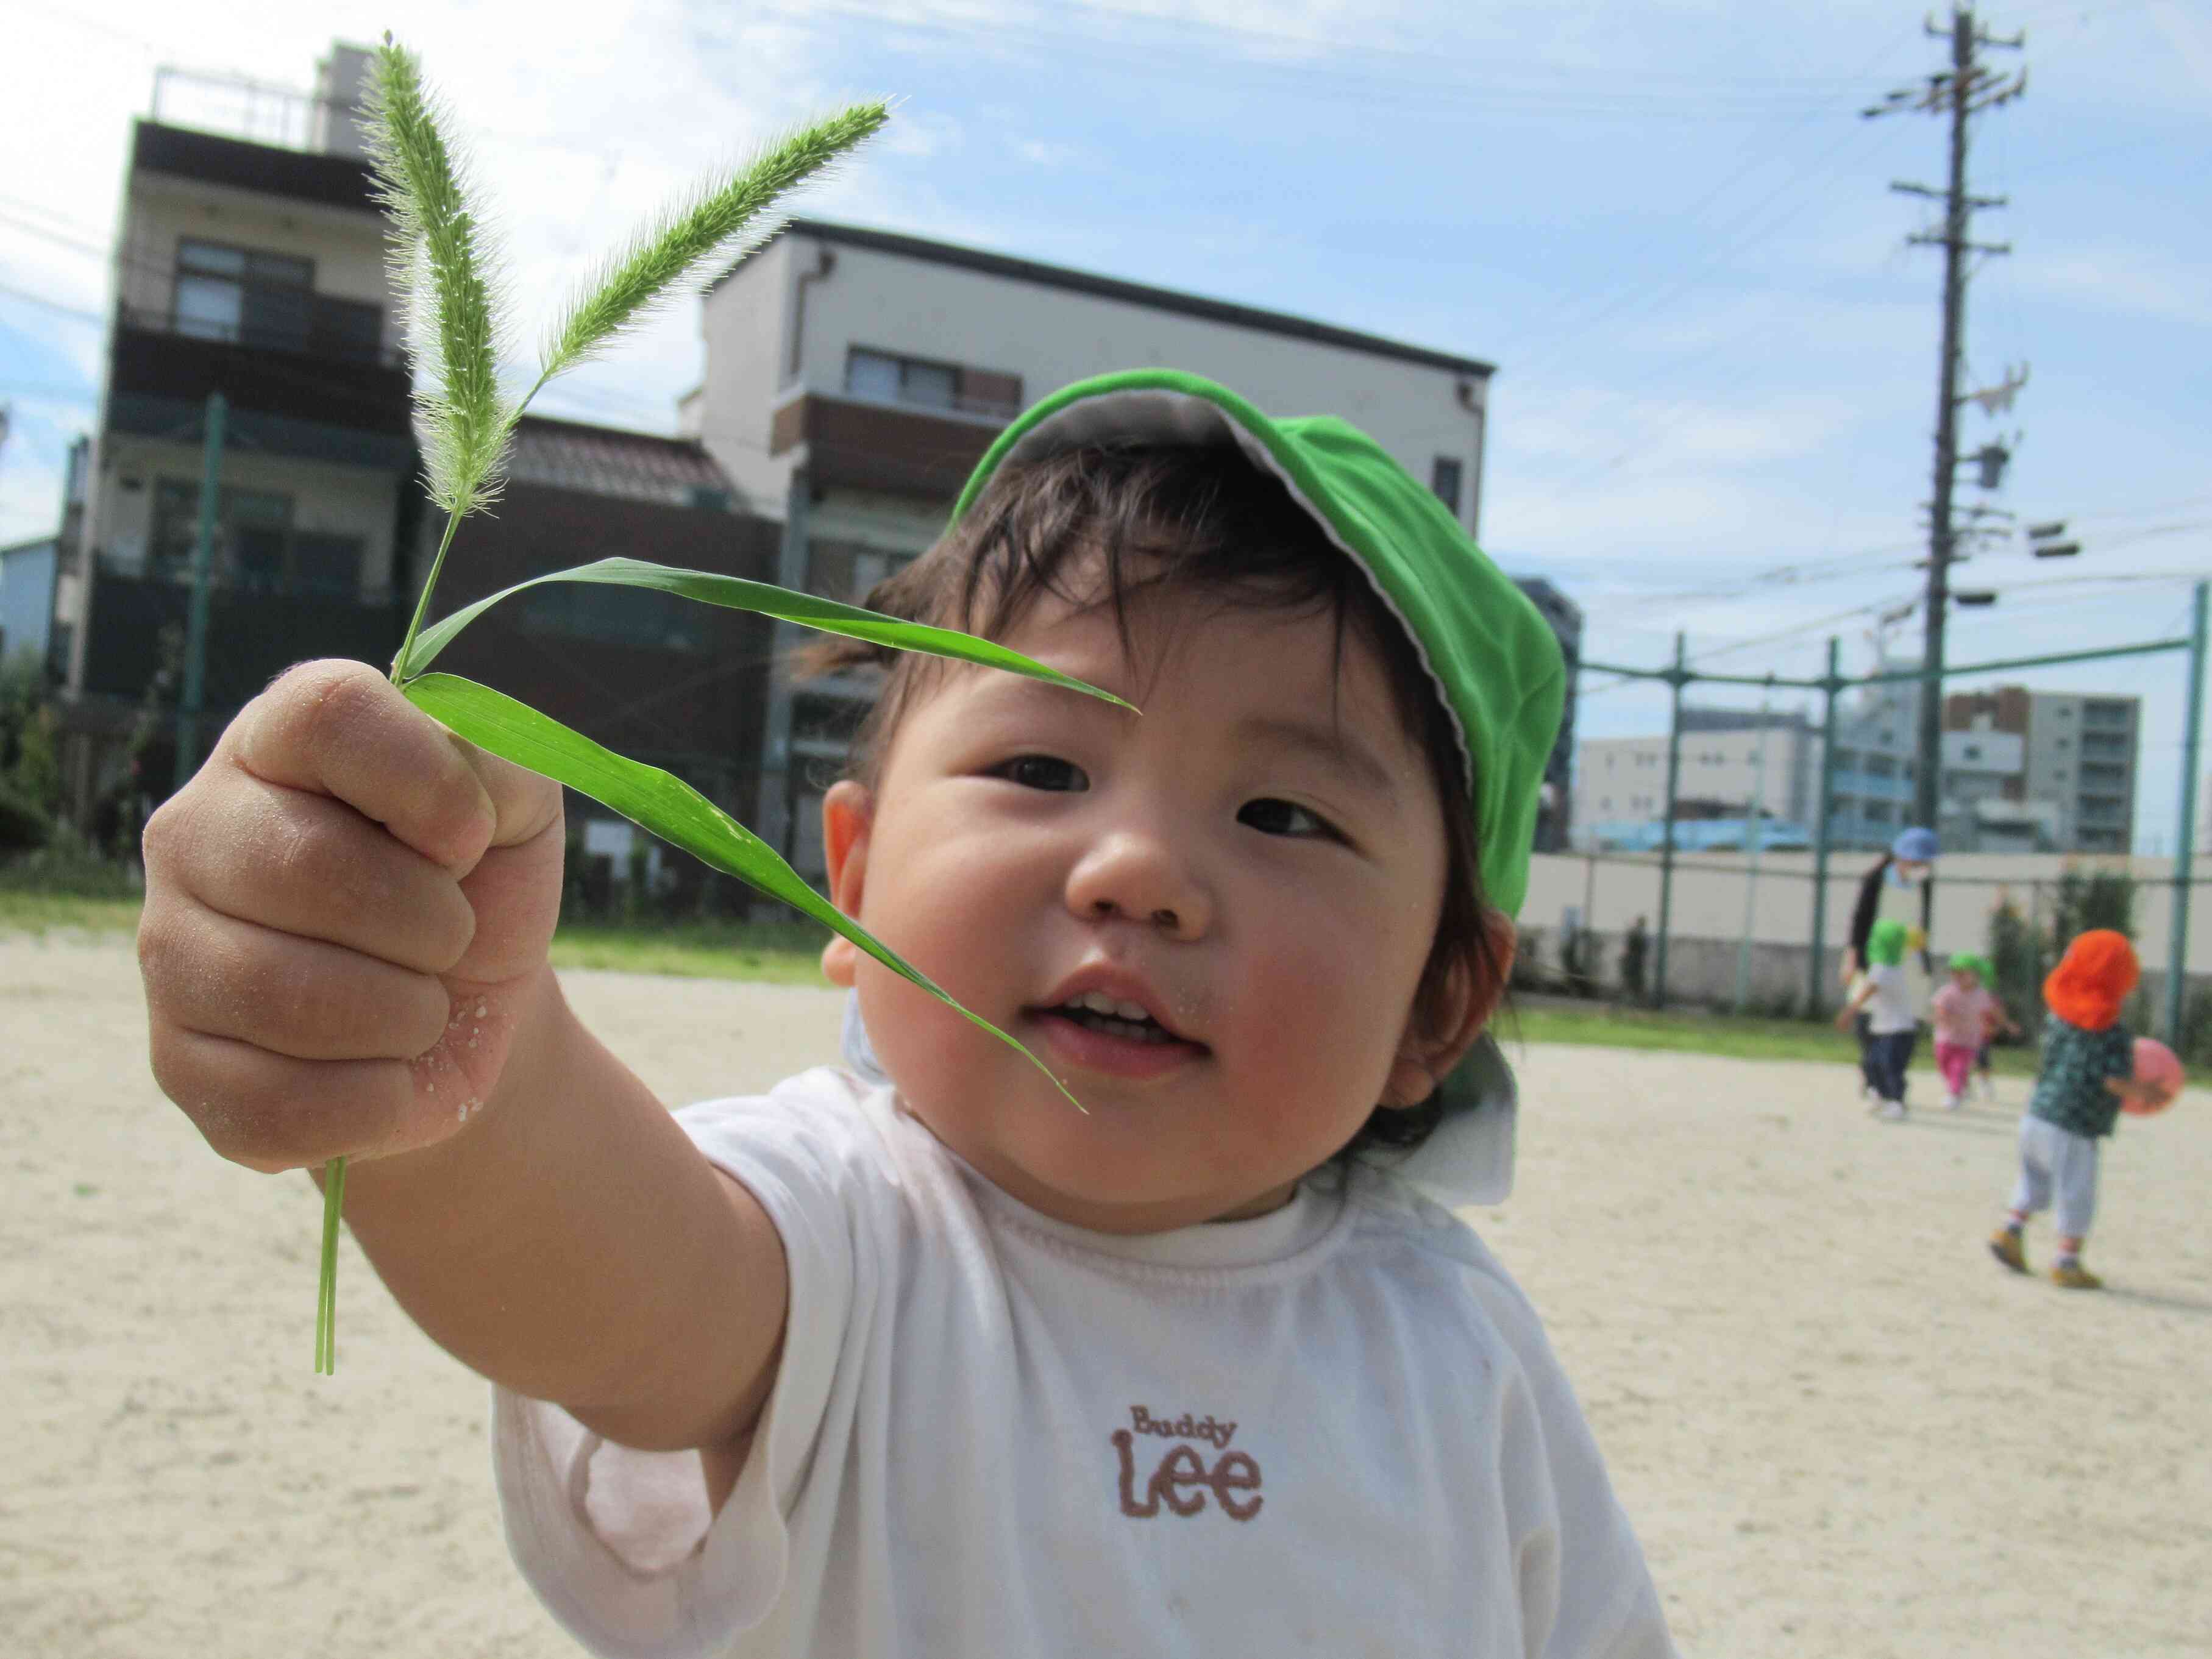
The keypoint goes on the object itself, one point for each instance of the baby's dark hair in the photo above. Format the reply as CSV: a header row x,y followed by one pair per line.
x,y
1206,523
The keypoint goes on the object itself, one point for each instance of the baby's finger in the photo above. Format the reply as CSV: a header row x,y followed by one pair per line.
x,y
271,1112
340,729
219,977
308,864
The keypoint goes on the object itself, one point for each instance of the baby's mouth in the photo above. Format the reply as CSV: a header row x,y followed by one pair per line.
x,y
1111,1016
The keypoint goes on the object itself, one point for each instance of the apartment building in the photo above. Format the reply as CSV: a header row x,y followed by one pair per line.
x,y
2068,758
251,270
253,274
851,379
1735,764
854,378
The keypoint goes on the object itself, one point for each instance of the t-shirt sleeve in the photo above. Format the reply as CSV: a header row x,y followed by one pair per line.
x,y
619,1544
1586,1592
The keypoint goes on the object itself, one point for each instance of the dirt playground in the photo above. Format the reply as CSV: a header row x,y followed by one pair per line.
x,y
1843,1431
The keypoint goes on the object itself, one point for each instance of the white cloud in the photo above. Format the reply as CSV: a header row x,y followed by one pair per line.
x,y
2137,280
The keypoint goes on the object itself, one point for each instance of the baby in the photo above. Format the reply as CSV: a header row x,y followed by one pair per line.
x,y
940,1364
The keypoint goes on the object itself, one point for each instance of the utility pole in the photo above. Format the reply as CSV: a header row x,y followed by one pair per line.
x,y
1966,87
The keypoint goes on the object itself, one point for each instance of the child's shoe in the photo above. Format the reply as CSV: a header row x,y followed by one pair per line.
x,y
2067,1273
1952,1104
2005,1245
1891,1111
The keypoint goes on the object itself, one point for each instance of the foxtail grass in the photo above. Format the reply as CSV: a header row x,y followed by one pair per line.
x,y
452,301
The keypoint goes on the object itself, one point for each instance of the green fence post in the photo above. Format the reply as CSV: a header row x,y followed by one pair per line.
x,y
1666,826
2176,944
1814,978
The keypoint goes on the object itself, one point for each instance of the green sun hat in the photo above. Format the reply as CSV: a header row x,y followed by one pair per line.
x,y
1494,661
1886,945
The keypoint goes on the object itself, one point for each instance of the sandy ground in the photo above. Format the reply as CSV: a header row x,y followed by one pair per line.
x,y
1841,1428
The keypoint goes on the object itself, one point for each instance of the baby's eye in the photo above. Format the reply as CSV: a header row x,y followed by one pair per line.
x,y
1042,772
1282,818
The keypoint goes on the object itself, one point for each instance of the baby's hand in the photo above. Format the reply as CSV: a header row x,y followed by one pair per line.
x,y
346,912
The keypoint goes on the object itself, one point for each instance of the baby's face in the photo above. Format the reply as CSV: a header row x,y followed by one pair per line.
x,y
1256,862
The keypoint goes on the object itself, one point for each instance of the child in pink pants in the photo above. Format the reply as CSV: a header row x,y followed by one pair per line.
x,y
1967,1016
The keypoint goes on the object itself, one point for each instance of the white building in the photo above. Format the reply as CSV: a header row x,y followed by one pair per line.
x,y
854,378
1734,763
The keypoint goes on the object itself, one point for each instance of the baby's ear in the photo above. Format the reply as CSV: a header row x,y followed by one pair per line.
x,y
847,815
1473,990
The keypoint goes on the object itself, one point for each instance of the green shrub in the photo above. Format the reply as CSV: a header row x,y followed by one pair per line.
x,y
24,824
67,864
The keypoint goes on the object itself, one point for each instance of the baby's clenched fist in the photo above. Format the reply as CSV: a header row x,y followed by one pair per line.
x,y
347,913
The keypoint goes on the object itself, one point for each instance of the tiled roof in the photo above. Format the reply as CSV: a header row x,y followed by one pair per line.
x,y
603,461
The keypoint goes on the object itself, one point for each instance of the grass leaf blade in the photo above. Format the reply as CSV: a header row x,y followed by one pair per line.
x,y
662,802
736,594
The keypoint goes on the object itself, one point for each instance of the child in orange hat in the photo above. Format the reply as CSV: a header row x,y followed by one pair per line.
x,y
2088,1069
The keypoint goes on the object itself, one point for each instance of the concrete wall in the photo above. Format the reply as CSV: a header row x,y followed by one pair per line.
x,y
745,324
1709,888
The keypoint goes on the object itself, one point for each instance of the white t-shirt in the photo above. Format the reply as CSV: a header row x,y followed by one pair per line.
x,y
1891,1008
1335,1429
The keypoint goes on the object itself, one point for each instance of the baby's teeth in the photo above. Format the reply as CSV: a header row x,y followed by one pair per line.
x,y
1131,1010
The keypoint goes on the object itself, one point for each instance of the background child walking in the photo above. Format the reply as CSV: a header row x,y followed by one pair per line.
x,y
1892,1022
1967,1016
2088,1069
941,1364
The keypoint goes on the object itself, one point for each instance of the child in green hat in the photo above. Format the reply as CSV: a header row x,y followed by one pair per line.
x,y
909,1355
1893,1025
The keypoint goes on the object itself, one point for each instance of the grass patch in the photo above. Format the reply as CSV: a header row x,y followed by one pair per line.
x,y
766,952
1737,1036
29,911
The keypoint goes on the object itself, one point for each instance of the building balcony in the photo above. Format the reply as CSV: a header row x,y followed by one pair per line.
x,y
313,393
866,443
265,162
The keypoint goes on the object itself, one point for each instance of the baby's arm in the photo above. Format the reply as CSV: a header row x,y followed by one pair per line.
x,y
345,949
1859,999
2143,1094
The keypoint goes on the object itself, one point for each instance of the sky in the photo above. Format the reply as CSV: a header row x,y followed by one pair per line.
x,y
1666,223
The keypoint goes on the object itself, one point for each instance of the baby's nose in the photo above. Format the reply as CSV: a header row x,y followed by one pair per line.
x,y
1134,877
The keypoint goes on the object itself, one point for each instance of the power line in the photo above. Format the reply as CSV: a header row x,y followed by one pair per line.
x,y
53,305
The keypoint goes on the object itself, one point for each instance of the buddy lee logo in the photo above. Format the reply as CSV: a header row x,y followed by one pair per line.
x,y
1181,1479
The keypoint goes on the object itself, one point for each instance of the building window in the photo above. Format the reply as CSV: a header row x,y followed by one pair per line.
x,y
251,298
886,377
1445,478
243,294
